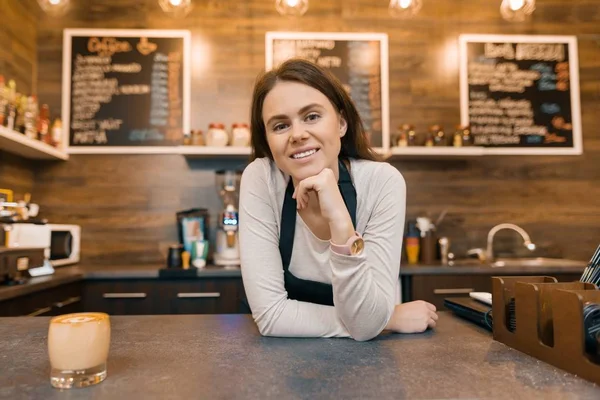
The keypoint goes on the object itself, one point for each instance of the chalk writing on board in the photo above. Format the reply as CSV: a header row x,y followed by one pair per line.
x,y
516,94
126,91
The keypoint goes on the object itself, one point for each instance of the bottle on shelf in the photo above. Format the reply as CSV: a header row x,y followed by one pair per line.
x,y
43,124
57,134
11,108
31,111
412,243
428,241
3,100
457,140
20,117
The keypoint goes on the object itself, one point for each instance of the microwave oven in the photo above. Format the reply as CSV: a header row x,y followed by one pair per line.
x,y
61,243
65,244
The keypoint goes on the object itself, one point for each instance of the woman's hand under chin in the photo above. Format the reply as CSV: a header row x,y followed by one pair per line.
x,y
331,203
326,188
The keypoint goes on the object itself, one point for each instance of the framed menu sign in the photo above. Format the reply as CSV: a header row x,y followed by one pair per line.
x,y
125,91
520,94
358,60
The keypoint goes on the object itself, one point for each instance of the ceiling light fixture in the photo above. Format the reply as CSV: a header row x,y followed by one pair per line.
x,y
405,8
291,8
176,8
54,7
517,10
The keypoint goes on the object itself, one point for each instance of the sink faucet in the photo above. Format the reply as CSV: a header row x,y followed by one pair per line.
x,y
490,239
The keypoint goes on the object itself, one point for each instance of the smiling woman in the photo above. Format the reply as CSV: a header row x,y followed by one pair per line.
x,y
333,271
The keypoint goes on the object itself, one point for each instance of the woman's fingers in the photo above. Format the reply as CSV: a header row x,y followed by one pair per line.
x,y
431,323
301,192
431,306
433,316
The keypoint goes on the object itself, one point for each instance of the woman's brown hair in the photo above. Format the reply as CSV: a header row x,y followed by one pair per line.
x,y
354,142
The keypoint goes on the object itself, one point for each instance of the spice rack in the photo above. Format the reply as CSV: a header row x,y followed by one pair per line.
x,y
549,320
17,143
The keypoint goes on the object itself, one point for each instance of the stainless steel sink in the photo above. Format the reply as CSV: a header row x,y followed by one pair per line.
x,y
520,262
467,262
537,262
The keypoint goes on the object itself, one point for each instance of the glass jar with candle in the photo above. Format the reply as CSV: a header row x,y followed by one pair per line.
x,y
407,136
467,138
439,137
216,135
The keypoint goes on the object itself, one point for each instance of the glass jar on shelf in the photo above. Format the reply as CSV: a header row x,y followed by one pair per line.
x,y
467,137
459,136
240,134
198,137
439,137
217,135
406,136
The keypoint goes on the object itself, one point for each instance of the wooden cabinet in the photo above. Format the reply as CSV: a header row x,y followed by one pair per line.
x,y
435,288
158,296
62,299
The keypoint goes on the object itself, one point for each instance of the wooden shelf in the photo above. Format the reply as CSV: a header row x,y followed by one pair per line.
x,y
17,143
197,151
439,152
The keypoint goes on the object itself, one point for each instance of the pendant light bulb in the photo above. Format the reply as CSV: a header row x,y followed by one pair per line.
x,y
291,8
176,8
517,10
54,7
405,8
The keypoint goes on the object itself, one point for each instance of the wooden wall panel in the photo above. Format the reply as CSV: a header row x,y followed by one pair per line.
x,y
18,36
18,61
16,174
127,205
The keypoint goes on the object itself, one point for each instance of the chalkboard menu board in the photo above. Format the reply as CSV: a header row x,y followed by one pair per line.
x,y
125,91
520,94
359,61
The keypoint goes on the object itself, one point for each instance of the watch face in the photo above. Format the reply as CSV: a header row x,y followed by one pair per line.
x,y
358,246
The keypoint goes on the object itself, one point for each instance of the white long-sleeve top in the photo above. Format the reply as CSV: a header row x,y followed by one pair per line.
x,y
365,287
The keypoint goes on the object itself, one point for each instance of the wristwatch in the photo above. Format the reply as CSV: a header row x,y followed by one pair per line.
x,y
354,246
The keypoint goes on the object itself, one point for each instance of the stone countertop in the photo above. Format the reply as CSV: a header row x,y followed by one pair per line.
x,y
80,272
487,270
60,277
151,271
224,357
211,271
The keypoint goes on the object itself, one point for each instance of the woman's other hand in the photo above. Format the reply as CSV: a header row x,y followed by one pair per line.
x,y
413,317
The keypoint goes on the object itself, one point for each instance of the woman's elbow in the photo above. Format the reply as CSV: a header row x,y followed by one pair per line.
x,y
360,336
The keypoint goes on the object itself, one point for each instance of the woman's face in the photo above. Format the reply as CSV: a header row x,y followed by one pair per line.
x,y
303,129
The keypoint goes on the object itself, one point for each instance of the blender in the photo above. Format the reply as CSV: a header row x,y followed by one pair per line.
x,y
227,250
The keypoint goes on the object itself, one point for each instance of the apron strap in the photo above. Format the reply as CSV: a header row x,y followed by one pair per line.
x,y
288,213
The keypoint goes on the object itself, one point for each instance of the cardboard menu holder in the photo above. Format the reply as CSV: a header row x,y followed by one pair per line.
x,y
549,320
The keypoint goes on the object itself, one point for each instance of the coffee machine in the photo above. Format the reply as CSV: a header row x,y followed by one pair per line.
x,y
227,250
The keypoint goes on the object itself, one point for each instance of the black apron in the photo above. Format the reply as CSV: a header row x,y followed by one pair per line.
x,y
300,289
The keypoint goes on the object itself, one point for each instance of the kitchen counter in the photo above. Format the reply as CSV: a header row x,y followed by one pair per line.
x,y
60,277
486,270
151,271
64,275
224,356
